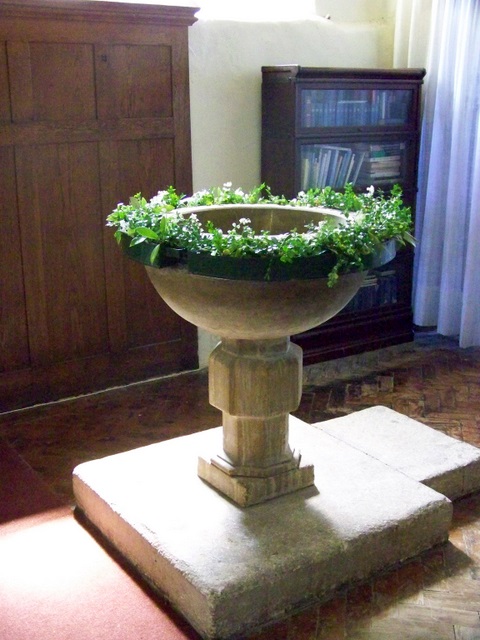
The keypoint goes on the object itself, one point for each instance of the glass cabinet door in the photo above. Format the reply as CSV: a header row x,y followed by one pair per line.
x,y
361,164
354,107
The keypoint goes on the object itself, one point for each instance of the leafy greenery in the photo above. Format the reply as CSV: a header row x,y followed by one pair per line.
x,y
370,220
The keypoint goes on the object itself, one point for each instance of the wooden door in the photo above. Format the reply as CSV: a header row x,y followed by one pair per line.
x,y
94,107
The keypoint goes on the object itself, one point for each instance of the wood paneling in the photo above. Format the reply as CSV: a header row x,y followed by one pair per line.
x,y
145,323
91,112
5,114
63,250
134,82
14,351
63,81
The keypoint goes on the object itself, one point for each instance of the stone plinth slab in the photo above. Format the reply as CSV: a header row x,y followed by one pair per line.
x,y
228,569
443,463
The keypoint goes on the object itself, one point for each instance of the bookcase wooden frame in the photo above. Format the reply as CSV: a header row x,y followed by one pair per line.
x,y
328,126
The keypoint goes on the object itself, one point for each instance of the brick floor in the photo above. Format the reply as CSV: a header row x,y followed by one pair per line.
x,y
433,597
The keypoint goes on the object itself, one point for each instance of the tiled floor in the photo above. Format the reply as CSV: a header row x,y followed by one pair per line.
x,y
434,597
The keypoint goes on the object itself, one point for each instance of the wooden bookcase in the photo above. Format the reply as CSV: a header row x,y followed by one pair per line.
x,y
330,126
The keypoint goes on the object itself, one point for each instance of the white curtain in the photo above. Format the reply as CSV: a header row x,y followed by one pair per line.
x,y
447,266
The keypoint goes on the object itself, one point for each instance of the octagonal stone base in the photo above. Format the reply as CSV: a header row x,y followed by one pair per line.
x,y
247,491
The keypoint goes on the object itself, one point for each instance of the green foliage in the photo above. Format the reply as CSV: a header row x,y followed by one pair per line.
x,y
370,221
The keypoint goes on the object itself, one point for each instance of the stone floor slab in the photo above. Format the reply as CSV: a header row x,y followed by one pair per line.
x,y
424,454
229,570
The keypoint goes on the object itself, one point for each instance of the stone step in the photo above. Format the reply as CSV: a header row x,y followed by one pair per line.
x,y
424,454
229,570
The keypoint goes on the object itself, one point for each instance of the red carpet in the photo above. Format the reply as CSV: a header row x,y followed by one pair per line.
x,y
57,581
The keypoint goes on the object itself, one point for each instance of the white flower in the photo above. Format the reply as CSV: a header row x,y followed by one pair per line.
x,y
159,198
227,185
370,191
244,221
196,196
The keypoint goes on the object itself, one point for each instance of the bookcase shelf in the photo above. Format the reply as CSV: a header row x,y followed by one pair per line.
x,y
361,164
328,127
355,107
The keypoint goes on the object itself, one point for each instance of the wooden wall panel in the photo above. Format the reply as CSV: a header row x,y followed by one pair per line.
x,y
20,79
59,205
63,81
14,350
146,317
5,114
134,81
94,107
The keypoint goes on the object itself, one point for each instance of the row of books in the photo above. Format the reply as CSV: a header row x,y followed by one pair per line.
x,y
379,288
383,162
347,108
335,166
324,165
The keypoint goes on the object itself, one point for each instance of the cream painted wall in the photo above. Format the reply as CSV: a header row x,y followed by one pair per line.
x,y
357,10
225,82
226,57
